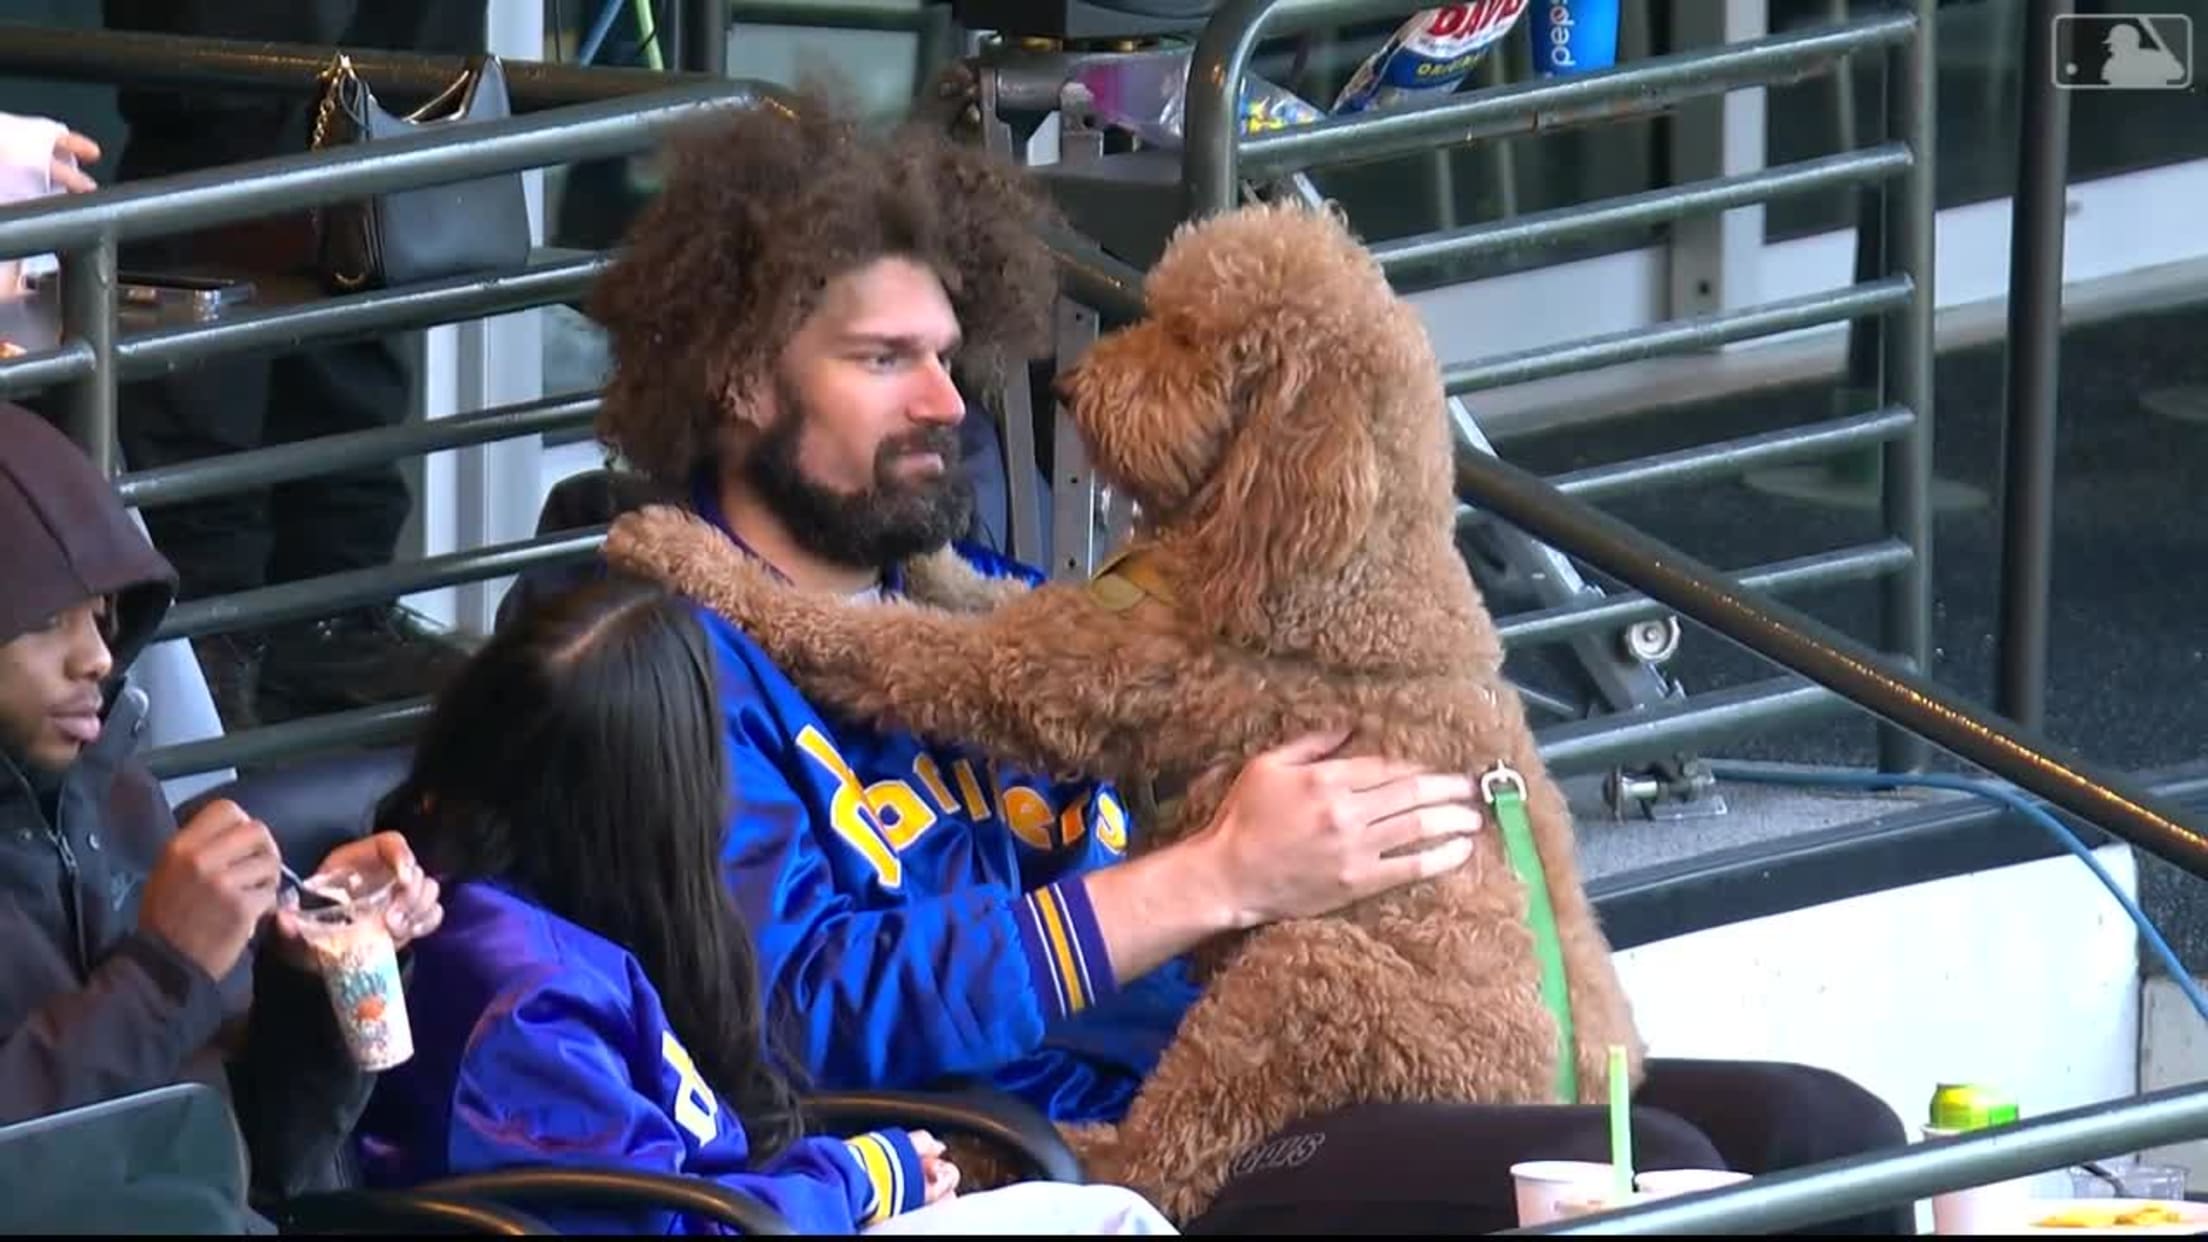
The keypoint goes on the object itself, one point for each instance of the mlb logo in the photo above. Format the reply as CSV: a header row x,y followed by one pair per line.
x,y
2123,52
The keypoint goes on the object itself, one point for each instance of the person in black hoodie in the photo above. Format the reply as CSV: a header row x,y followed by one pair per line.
x,y
138,953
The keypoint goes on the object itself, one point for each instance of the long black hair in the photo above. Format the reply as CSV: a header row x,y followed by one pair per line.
x,y
577,758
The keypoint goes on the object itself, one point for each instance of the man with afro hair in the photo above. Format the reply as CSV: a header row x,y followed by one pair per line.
x,y
794,322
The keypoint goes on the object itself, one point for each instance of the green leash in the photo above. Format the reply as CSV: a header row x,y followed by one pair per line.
x,y
1505,792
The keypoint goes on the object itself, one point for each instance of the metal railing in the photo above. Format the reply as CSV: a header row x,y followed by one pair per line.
x,y
1218,160
578,114
1825,669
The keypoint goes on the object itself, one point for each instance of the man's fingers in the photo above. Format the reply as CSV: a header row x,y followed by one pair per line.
x,y
1425,827
246,843
1445,856
1415,790
1307,748
211,820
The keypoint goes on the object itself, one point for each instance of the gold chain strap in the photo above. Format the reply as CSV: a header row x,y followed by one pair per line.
x,y
340,69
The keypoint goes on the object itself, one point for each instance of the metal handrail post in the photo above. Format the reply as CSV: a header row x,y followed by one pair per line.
x,y
88,319
1215,69
2034,365
1905,343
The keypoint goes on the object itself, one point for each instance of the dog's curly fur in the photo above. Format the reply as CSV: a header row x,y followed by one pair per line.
x,y
1279,418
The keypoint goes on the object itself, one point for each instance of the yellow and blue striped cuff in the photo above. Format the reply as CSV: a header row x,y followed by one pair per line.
x,y
1065,951
892,1168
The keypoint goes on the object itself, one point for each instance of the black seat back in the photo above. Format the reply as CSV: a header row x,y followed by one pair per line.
x,y
314,805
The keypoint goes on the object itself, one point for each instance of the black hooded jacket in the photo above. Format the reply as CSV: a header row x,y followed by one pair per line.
x,y
90,1007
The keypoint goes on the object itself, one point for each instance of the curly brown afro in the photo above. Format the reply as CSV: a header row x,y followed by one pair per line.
x,y
760,210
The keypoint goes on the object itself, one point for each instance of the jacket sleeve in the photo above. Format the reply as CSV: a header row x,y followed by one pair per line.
x,y
951,983
548,1079
297,1091
144,1011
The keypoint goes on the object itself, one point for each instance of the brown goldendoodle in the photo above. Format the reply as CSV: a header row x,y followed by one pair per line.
x,y
1280,421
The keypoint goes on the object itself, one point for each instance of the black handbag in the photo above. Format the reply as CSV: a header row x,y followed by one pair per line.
x,y
424,234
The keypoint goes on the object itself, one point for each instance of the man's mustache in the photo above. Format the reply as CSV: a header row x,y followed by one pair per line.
x,y
941,441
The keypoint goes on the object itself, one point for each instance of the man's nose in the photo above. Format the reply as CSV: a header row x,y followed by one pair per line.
x,y
939,400
90,658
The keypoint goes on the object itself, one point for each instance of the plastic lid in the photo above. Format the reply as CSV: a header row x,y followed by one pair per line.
x,y
1966,1108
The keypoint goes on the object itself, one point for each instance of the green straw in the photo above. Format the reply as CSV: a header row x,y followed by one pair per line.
x,y
1621,1128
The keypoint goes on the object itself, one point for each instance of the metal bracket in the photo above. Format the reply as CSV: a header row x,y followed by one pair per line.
x,y
1679,788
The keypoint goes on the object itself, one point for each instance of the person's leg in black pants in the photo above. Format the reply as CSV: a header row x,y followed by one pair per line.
x,y
1424,1168
1445,1168
1765,1116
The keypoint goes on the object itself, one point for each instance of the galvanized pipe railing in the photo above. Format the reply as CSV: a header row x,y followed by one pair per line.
x,y
233,192
538,283
310,597
1806,646
1775,1202
1906,356
1217,157
1729,458
278,463
2034,361
1679,336
1630,211
1801,573
112,56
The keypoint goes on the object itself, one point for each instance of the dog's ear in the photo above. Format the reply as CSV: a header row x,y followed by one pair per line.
x,y
1295,493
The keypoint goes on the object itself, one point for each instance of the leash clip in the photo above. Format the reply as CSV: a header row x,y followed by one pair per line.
x,y
1501,777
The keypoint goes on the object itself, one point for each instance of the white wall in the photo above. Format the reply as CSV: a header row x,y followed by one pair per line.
x,y
2025,977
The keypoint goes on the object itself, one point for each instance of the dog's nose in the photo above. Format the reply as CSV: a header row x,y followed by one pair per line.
x,y
1061,386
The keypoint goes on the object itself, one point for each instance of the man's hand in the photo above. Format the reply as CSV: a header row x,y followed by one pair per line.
x,y
1299,834
211,886
1302,834
414,910
940,1175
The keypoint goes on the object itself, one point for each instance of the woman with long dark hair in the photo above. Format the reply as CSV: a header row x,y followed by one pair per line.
x,y
592,998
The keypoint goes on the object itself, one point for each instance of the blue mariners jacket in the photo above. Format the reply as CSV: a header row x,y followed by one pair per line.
x,y
539,1043
921,912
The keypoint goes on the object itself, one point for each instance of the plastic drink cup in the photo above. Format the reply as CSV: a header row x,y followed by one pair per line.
x,y
1961,1108
352,950
1549,1190
2136,1181
1663,1183
1573,36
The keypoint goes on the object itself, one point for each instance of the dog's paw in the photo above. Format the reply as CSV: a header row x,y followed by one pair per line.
x,y
664,543
944,579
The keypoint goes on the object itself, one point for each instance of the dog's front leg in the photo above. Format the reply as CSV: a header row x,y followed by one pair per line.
x,y
998,680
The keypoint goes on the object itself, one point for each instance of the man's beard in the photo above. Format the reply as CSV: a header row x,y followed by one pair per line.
x,y
892,520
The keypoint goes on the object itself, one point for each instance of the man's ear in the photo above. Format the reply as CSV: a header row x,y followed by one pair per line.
x,y
744,407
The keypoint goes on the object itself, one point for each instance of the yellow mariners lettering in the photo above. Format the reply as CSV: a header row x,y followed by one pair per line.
x,y
1111,822
900,812
1028,814
1073,822
931,777
850,813
977,802
695,1108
